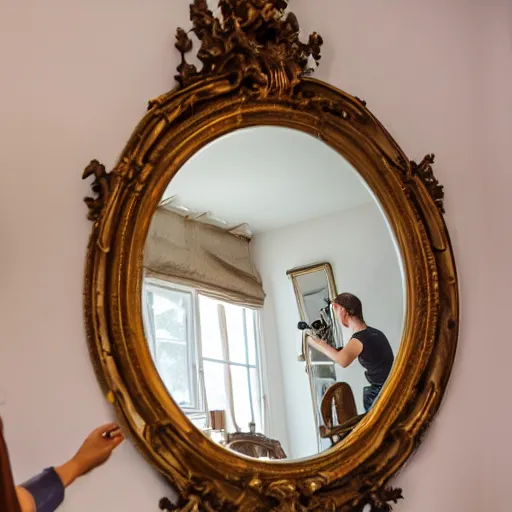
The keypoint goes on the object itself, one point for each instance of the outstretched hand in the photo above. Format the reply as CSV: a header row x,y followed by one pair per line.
x,y
97,449
94,452
316,342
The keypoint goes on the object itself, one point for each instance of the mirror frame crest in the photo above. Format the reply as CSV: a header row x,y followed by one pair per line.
x,y
254,72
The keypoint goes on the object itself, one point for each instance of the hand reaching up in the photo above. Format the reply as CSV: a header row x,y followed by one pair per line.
x,y
94,452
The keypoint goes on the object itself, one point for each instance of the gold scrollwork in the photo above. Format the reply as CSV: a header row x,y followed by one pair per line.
x,y
255,71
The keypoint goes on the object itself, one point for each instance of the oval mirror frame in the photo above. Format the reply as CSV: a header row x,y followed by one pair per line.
x,y
255,73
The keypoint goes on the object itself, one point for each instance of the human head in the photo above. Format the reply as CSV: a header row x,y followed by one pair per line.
x,y
347,306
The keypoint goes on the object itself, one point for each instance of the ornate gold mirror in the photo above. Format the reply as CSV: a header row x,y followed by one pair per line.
x,y
249,168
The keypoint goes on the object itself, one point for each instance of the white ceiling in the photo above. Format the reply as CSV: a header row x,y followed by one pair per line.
x,y
268,177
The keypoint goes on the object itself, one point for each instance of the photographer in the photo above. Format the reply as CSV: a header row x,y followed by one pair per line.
x,y
367,344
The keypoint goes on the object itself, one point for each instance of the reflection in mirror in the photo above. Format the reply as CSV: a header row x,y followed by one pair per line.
x,y
220,315
315,289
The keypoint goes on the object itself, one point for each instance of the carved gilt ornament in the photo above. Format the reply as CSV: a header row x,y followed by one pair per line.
x,y
255,71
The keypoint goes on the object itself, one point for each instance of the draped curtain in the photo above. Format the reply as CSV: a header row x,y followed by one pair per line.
x,y
204,257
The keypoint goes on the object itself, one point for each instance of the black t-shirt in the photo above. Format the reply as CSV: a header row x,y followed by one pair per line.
x,y
377,355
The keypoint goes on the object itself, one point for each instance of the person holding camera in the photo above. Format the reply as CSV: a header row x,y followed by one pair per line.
x,y
367,344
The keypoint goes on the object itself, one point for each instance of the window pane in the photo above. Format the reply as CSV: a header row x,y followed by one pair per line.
x,y
251,316
214,384
241,397
149,328
236,335
174,370
211,345
256,400
171,324
170,311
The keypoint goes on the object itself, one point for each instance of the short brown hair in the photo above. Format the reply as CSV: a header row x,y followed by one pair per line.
x,y
351,303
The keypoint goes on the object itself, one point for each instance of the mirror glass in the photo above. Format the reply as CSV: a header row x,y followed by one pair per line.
x,y
256,233
314,290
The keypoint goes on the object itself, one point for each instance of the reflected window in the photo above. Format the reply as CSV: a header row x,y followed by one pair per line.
x,y
172,343
206,352
229,341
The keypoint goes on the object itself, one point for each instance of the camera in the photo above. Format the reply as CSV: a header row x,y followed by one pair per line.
x,y
322,328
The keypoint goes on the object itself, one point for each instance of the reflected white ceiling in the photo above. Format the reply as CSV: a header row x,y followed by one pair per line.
x,y
268,177
313,282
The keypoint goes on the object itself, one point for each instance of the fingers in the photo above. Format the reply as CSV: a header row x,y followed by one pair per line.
x,y
104,431
109,434
111,443
117,440
108,427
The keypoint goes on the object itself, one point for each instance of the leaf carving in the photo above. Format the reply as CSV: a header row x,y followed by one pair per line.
x,y
253,42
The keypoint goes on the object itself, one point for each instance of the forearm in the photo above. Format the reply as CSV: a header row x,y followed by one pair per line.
x,y
68,472
326,349
343,357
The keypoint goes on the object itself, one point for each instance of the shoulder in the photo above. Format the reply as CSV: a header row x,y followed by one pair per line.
x,y
362,335
354,343
378,333
370,332
352,350
369,335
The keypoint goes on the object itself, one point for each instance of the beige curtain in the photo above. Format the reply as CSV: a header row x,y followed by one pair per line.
x,y
203,256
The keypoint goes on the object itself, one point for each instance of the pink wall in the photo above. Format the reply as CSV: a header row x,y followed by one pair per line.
x,y
74,81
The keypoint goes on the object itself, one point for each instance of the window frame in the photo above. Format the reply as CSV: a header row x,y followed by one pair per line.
x,y
194,379
199,412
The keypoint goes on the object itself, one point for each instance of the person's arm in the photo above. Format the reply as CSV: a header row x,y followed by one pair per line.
x,y
45,492
25,499
344,357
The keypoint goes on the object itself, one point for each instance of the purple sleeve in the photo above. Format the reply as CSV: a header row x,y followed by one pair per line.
x,y
46,489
